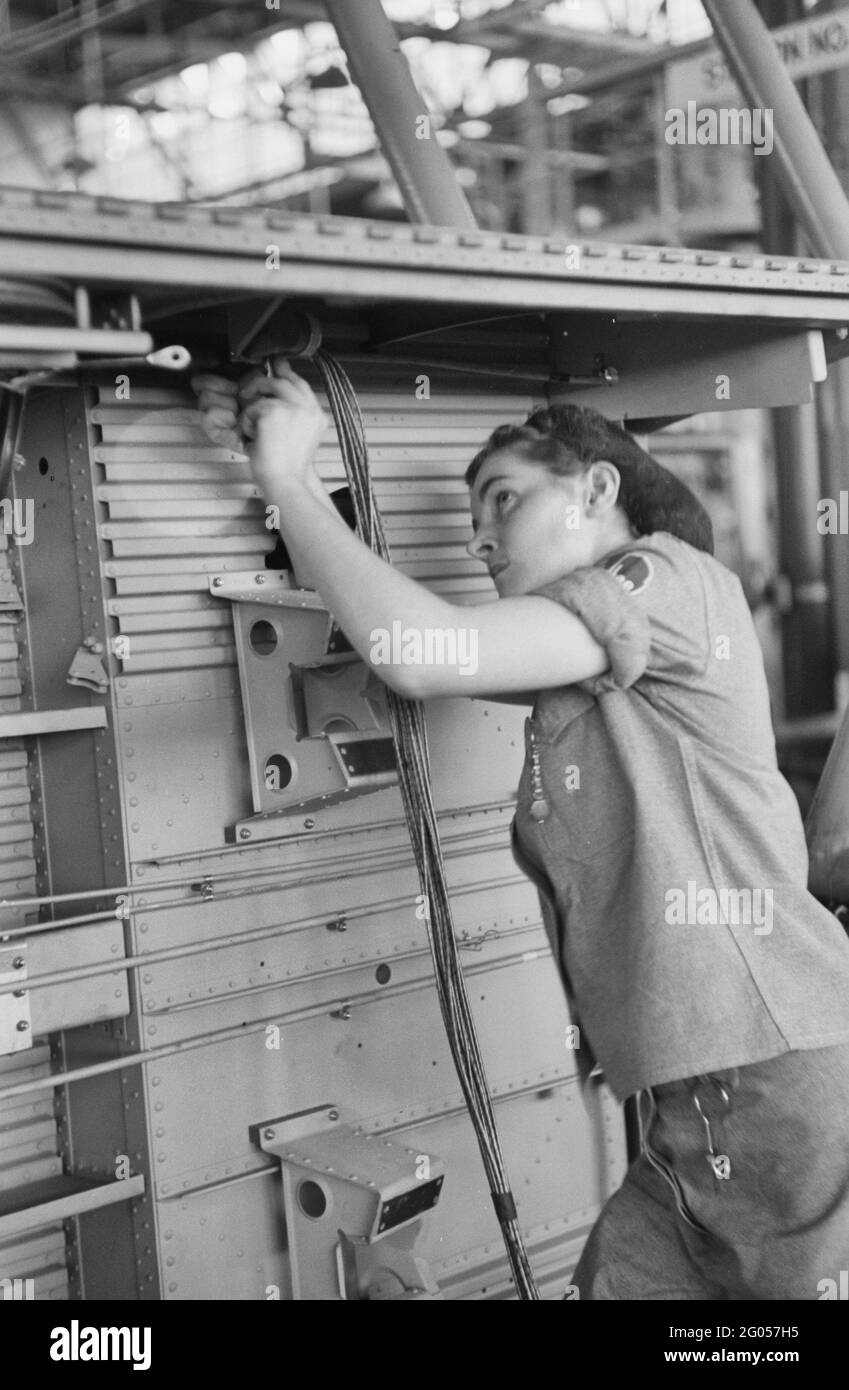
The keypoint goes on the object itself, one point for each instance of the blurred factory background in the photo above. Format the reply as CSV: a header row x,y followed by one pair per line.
x,y
553,112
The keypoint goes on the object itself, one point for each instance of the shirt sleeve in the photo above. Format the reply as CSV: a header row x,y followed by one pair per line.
x,y
646,605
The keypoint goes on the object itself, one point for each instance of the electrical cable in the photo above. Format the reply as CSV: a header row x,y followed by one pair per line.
x,y
410,736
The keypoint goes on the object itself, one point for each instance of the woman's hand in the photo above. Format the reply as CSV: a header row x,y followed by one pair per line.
x,y
284,424
277,420
218,403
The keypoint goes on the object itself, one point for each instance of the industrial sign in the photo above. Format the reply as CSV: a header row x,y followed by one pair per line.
x,y
807,47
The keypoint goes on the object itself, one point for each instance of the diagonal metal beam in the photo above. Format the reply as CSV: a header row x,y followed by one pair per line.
x,y
422,169
804,171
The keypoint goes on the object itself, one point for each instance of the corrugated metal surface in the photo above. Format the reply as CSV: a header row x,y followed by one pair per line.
x,y
29,1142
27,1126
28,1138
17,859
258,954
179,509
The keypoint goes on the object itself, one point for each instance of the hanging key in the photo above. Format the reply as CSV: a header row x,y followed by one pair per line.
x,y
720,1163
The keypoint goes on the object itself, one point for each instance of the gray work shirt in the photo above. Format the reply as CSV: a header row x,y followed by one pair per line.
x,y
672,864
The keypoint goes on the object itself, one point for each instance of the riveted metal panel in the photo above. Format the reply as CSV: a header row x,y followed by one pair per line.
x,y
226,1238
562,1174
273,945
89,1000
315,990
253,993
191,245
78,840
391,1055
226,1241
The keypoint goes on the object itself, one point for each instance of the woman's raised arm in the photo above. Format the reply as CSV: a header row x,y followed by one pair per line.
x,y
418,643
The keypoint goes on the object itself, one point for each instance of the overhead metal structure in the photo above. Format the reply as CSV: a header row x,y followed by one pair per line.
x,y
422,169
165,243
819,202
809,182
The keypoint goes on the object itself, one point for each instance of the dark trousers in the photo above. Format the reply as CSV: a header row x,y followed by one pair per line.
x,y
777,1227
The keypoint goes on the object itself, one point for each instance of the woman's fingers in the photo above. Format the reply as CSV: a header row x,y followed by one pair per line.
x,y
229,439
217,400
221,427
233,412
283,371
220,385
254,412
218,405
277,388
249,378
289,422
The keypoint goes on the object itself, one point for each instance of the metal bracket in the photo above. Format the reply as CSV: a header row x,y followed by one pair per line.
x,y
329,813
52,1200
670,369
263,586
87,668
355,1205
317,733
366,758
15,1017
29,723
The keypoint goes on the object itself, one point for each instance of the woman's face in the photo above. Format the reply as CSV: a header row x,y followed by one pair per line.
x,y
532,526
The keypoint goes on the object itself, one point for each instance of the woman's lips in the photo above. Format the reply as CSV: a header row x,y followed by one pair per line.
x,y
496,569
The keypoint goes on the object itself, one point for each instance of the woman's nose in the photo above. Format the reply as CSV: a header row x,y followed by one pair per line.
x,y
479,546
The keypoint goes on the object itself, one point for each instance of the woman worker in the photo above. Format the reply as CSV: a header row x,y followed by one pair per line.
x,y
668,850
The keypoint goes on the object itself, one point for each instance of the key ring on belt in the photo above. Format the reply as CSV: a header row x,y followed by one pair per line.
x,y
720,1163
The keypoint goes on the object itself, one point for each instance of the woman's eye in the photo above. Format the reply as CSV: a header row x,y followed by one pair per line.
x,y
499,496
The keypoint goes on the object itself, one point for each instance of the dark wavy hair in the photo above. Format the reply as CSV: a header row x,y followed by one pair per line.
x,y
568,438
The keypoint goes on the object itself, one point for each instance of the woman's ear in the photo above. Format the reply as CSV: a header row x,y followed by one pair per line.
x,y
604,481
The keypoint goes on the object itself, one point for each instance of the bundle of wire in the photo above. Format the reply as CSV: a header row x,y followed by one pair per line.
x,y
410,736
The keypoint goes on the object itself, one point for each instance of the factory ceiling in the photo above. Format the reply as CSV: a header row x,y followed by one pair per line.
x,y
89,51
